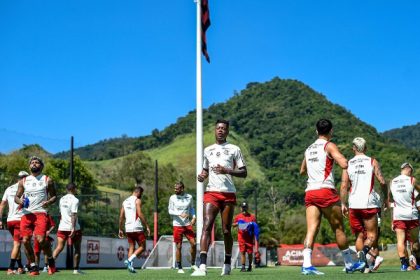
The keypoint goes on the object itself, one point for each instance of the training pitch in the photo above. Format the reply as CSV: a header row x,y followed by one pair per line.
x,y
277,273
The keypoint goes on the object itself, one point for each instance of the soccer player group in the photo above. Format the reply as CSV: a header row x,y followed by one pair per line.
x,y
29,198
28,220
222,160
359,201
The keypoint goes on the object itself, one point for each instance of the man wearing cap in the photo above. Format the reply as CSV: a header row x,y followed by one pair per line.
x,y
69,228
246,238
35,193
363,201
13,224
221,162
181,209
405,216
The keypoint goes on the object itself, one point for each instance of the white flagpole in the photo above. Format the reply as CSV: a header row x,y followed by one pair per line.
x,y
199,127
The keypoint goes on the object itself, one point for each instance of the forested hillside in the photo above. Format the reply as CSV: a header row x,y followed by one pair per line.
x,y
407,135
275,122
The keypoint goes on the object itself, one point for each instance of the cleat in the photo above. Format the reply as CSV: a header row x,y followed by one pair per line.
x,y
45,269
243,269
33,271
311,271
378,262
226,269
357,266
249,269
404,267
51,270
194,267
78,271
11,272
199,272
129,265
367,270
20,270
180,270
412,261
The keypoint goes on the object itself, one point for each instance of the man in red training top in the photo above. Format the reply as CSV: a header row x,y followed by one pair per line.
x,y
246,238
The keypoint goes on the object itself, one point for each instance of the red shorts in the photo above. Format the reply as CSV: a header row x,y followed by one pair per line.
x,y
137,236
35,223
246,245
219,199
356,217
49,241
14,229
64,234
405,225
321,198
183,230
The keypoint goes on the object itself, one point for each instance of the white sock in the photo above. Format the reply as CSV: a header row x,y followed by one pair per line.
x,y
132,257
203,267
348,262
307,256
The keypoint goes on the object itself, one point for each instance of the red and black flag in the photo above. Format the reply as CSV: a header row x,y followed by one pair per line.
x,y
205,23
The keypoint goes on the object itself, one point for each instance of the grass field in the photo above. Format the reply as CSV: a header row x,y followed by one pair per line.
x,y
384,273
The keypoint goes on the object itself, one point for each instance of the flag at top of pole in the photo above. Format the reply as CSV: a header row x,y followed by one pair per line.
x,y
205,24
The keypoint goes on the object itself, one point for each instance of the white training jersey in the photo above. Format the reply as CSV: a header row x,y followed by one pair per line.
x,y
132,221
69,205
226,155
319,166
181,204
15,212
362,179
402,190
35,188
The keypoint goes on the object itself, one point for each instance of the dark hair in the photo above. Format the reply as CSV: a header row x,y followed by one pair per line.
x,y
223,121
138,188
323,126
70,186
180,183
36,158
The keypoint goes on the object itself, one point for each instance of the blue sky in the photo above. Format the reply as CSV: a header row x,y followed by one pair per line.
x,y
101,69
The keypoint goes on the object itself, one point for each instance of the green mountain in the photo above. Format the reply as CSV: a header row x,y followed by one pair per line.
x,y
407,135
273,123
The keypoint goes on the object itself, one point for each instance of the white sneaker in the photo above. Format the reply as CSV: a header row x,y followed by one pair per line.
x,y
226,269
194,267
78,271
200,271
45,269
378,262
181,270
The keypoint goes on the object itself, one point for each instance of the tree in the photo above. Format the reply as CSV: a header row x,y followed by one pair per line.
x,y
137,168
